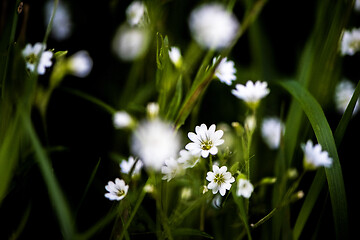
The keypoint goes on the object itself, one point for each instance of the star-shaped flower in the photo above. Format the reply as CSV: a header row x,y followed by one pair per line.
x,y
251,93
205,140
220,180
117,190
314,157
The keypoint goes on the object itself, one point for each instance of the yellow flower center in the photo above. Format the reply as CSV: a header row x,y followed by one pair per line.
x,y
206,145
219,178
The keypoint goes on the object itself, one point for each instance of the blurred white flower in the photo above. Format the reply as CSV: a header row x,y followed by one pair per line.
x,y
175,56
205,140
31,55
117,190
251,93
126,166
225,71
188,159
171,169
152,110
350,42
155,141
220,180
314,157
271,130
136,13
244,188
122,119
186,193
343,93
130,43
62,24
357,6
80,64
212,26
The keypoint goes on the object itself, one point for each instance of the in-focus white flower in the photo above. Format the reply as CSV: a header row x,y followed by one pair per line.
x,y
136,13
62,24
117,190
357,6
126,166
244,188
188,159
350,42
175,56
212,26
205,140
152,110
314,157
122,119
225,71
171,169
220,180
343,93
271,130
80,64
130,43
31,55
153,142
251,93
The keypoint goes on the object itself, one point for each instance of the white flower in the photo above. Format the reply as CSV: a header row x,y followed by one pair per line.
x,y
220,180
205,140
314,156
152,110
175,56
251,93
80,64
117,190
212,26
155,141
122,119
136,13
225,71
31,55
188,159
350,42
126,166
171,169
357,6
244,188
130,43
62,25
343,93
271,130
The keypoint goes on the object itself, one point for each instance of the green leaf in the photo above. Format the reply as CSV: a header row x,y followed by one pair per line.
x,y
325,138
176,101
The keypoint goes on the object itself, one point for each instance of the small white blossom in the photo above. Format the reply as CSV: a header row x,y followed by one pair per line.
x,y
205,140
155,141
271,130
130,43
225,71
350,42
250,123
314,157
175,56
122,119
31,55
171,169
188,159
212,26
80,64
136,13
152,110
357,6
62,24
343,93
126,166
251,93
220,180
244,188
117,190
